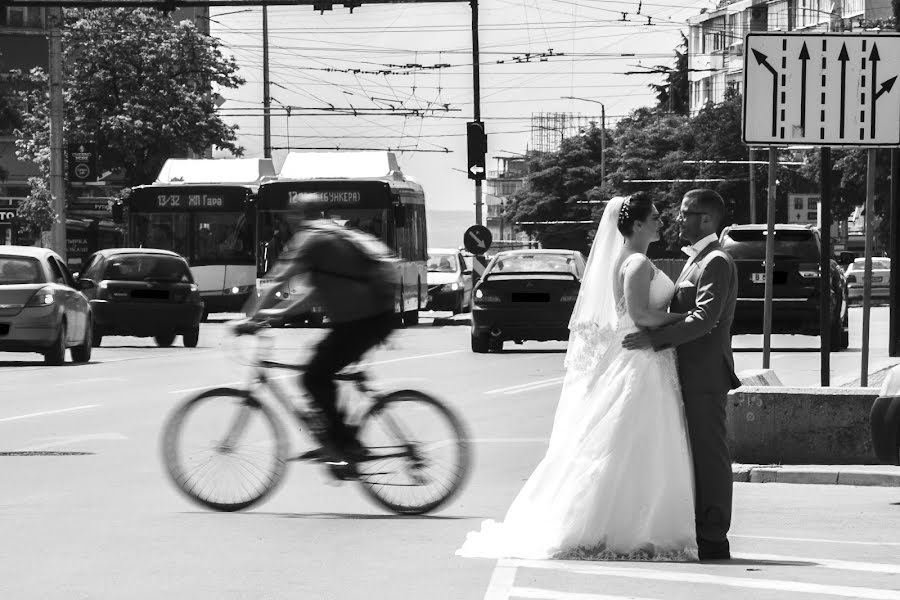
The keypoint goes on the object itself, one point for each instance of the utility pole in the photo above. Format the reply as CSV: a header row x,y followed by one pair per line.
x,y
57,115
267,100
476,87
894,323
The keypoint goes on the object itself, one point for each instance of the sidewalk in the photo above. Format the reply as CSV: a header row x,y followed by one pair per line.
x,y
864,475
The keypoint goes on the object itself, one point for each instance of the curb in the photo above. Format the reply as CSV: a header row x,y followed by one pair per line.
x,y
462,320
858,475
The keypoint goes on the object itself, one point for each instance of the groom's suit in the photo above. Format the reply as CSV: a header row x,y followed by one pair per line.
x,y
707,291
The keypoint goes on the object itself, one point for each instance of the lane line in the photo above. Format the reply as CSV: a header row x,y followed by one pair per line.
x,y
365,364
525,386
502,580
720,580
49,412
813,540
829,563
542,594
91,437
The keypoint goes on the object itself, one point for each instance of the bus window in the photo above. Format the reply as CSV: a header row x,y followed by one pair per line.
x,y
164,231
222,238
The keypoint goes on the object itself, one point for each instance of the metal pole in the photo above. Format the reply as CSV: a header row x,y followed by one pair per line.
x,y
602,142
825,263
476,88
752,186
267,101
57,116
770,257
867,274
894,324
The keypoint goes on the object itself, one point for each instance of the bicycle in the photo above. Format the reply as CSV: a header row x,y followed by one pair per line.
x,y
396,469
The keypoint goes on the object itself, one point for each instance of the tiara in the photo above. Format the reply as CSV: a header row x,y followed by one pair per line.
x,y
624,212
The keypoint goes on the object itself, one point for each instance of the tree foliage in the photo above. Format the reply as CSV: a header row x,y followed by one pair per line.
x,y
138,84
674,94
35,214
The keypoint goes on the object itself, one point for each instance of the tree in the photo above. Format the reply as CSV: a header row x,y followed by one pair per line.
x,y
35,214
674,94
138,84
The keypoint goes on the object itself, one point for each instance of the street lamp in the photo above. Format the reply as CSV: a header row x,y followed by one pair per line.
x,y
602,133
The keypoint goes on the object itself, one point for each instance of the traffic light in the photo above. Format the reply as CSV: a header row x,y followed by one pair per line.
x,y
476,140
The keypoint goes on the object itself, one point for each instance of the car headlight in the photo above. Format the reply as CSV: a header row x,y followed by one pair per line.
x,y
237,289
454,286
42,297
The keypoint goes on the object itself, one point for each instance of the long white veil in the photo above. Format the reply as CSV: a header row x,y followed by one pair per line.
x,y
594,319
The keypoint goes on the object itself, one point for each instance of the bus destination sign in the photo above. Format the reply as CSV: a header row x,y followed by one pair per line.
x,y
324,197
190,201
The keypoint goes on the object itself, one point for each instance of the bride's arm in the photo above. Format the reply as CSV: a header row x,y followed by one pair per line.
x,y
638,275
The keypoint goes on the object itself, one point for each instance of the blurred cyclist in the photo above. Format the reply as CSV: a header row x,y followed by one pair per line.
x,y
349,275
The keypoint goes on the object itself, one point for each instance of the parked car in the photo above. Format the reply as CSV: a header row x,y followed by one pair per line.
x,y
885,420
526,295
795,289
142,292
881,279
41,310
449,281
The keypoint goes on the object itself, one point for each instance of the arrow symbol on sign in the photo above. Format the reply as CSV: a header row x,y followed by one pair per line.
x,y
843,57
762,59
875,58
476,169
804,56
478,241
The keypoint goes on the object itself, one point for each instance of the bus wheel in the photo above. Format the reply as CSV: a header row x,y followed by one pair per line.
x,y
410,318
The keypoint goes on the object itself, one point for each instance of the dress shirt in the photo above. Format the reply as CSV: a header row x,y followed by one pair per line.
x,y
697,247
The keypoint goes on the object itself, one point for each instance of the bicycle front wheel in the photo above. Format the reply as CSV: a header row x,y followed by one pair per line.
x,y
224,449
418,450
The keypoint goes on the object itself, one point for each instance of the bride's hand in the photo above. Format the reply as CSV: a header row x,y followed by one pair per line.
x,y
637,341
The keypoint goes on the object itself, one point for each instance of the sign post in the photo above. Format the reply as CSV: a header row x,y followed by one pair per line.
x,y
477,239
821,89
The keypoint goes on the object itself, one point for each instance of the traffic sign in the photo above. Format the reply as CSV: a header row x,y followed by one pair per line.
x,y
82,162
477,239
476,147
822,89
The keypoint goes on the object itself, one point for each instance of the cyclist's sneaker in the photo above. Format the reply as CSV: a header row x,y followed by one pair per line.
x,y
314,454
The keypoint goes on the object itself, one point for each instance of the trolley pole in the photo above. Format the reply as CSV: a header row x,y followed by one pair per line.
x,y
267,100
476,89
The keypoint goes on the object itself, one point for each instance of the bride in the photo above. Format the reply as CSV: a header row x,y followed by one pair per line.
x,y
617,480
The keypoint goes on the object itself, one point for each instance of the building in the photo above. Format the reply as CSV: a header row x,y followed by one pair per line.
x,y
502,184
716,38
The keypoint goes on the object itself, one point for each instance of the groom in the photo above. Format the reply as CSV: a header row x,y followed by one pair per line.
x,y
707,291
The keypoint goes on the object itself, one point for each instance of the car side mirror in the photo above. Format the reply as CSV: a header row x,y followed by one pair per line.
x,y
86,284
467,272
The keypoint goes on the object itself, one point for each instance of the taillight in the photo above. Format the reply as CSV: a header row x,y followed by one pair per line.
x,y
851,278
808,271
570,296
42,297
486,298
195,292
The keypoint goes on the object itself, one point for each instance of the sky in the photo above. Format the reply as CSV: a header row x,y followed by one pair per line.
x,y
399,76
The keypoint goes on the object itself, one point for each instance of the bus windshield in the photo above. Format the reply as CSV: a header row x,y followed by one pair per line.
x,y
218,238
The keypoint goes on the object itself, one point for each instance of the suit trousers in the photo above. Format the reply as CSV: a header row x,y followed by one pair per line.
x,y
705,412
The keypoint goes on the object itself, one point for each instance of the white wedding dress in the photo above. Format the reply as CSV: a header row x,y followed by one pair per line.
x,y
617,479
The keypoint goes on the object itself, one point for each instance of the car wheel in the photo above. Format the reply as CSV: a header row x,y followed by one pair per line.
x,y
82,353
315,320
495,344
205,317
480,344
190,338
56,354
165,340
96,338
840,335
410,318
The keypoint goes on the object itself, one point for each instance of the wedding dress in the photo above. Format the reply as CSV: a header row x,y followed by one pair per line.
x,y
617,479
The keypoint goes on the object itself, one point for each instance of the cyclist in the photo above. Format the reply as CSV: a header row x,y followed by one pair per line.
x,y
348,274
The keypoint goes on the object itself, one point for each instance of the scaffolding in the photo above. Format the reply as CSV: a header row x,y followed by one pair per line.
x,y
548,130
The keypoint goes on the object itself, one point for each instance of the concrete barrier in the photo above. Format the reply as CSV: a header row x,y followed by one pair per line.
x,y
792,425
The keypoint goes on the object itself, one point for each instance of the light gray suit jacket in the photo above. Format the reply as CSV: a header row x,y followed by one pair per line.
x,y
707,291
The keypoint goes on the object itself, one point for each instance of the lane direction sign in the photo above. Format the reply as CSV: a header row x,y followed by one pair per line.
x,y
477,239
823,89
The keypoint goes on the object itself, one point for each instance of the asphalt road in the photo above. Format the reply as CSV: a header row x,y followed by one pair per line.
x,y
86,511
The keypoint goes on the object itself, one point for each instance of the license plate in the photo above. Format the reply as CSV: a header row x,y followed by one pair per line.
x,y
758,277
876,280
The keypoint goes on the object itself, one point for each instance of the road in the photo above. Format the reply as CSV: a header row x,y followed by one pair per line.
x,y
87,513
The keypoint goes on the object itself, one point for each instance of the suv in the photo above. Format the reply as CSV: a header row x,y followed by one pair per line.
x,y
795,293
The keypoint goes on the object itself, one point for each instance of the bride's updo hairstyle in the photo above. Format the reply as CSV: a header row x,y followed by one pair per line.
x,y
636,207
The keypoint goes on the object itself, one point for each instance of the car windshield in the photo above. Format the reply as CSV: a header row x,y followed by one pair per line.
x,y
877,263
534,263
751,243
142,267
19,270
442,263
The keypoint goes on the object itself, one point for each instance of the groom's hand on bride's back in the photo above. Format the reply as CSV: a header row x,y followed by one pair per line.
x,y
637,341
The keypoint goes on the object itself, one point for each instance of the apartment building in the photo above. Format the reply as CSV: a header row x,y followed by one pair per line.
x,y
716,38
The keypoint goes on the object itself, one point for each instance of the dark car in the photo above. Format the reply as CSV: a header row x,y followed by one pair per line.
x,y
885,420
143,292
40,308
526,295
449,281
795,285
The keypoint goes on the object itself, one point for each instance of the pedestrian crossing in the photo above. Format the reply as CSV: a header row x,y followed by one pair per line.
x,y
756,576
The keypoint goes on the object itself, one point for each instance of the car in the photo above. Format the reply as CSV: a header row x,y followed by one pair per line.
x,y
449,281
795,286
526,295
142,292
881,279
42,308
885,419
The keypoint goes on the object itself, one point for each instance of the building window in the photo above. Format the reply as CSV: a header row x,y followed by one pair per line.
x,y
22,16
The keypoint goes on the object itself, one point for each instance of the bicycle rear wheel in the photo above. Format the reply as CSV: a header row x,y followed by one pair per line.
x,y
418,449
224,449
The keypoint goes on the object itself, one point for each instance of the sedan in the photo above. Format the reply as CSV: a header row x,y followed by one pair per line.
x,y
143,292
881,279
40,308
526,295
449,281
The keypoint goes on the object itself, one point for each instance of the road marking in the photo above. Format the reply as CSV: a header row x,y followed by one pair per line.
x,y
502,580
828,563
524,387
541,594
365,364
814,540
48,412
91,380
532,440
702,578
64,441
